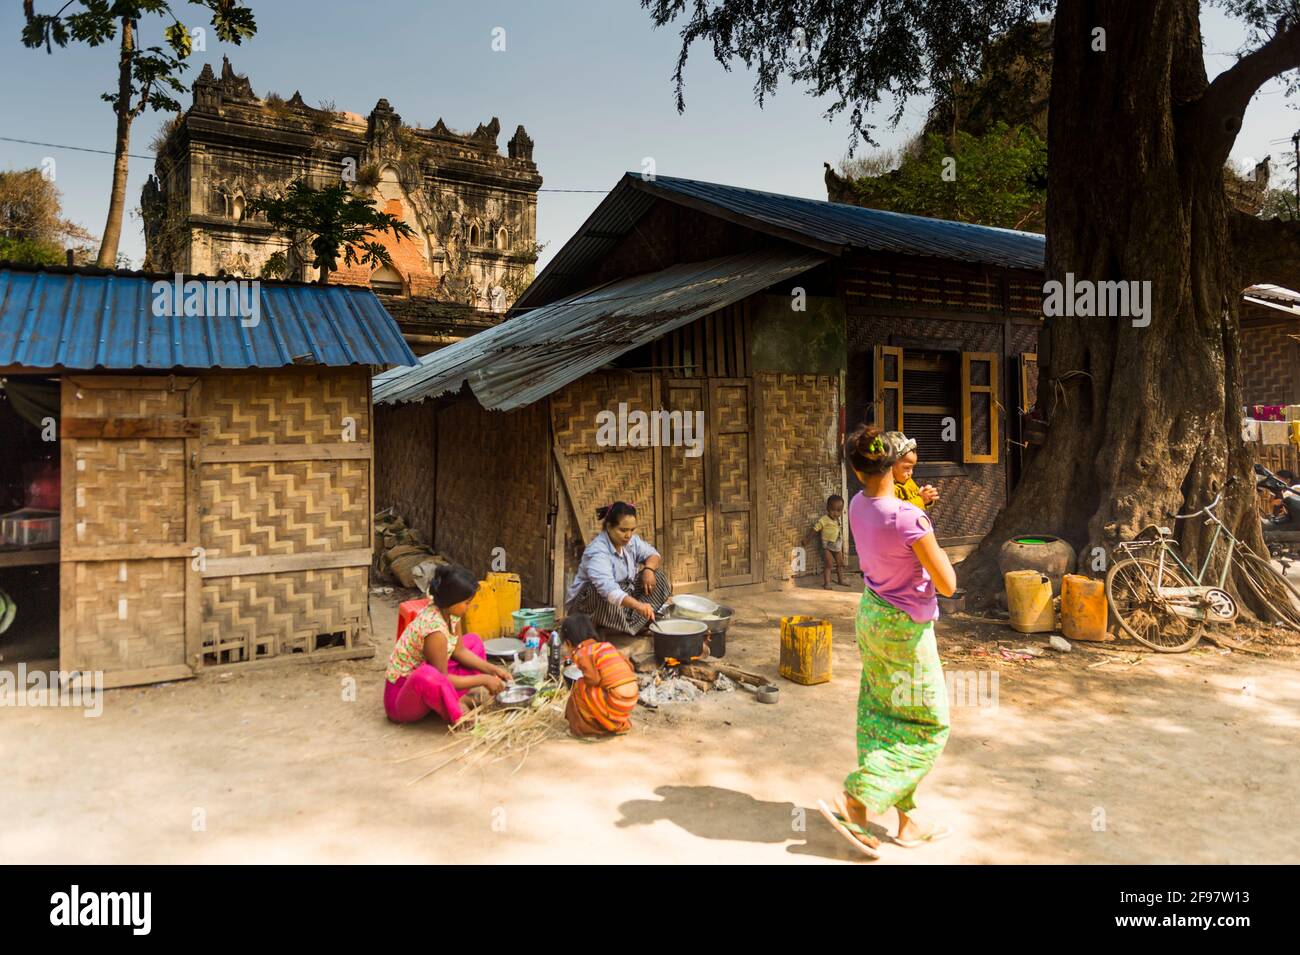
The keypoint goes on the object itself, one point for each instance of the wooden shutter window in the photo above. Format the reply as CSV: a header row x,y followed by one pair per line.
x,y
888,403
1028,380
979,407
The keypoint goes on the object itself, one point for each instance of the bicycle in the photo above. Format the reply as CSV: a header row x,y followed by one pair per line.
x,y
1165,605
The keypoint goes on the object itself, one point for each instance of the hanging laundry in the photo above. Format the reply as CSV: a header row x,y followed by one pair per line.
x,y
1249,429
1267,412
1275,432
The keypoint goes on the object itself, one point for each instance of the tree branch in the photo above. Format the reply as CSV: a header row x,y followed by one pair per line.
x,y
1223,104
1267,251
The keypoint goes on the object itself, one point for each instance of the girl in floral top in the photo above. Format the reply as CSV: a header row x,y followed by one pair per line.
x,y
433,666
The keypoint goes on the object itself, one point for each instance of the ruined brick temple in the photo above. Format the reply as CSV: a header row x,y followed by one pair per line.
x,y
473,211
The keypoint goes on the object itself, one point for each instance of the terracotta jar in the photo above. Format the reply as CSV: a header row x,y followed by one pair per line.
x,y
1044,553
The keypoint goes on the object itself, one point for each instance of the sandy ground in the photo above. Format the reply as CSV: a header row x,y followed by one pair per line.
x,y
1187,758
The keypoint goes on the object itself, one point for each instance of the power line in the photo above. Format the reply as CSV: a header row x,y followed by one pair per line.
x,y
80,149
110,152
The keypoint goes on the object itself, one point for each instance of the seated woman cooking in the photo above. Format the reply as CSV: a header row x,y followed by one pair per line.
x,y
620,583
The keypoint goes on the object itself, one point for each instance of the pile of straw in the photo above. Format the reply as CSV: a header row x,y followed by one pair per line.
x,y
491,733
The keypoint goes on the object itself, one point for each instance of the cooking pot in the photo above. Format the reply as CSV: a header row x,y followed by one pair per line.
x,y
681,640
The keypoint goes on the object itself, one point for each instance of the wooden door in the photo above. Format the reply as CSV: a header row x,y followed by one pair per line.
x,y
129,578
710,502
730,449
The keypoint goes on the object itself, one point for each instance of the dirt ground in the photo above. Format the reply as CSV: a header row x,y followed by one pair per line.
x,y
1083,757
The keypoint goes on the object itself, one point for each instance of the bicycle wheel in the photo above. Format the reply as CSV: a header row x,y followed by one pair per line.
x,y
1142,613
1275,591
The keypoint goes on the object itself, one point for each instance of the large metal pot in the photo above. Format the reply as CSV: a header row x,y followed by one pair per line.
x,y
679,640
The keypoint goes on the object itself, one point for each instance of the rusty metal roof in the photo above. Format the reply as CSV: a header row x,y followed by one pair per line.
x,y
830,227
543,349
59,317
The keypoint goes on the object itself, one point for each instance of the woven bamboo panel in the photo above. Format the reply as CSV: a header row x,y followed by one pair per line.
x,y
293,406
491,490
597,474
800,459
405,447
733,537
685,501
868,281
129,492
128,402
252,509
257,509
127,614
266,615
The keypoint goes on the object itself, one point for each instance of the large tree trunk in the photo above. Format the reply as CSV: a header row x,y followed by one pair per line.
x,y
1141,420
121,148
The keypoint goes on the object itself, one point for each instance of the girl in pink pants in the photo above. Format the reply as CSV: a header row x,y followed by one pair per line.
x,y
433,669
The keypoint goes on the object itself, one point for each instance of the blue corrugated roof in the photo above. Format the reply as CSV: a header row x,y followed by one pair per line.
x,y
832,227
71,318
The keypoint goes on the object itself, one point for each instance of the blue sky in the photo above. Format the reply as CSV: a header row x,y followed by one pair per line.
x,y
589,79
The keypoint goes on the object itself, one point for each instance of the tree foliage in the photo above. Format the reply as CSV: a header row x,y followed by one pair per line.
x,y
154,70
328,221
32,228
998,179
147,76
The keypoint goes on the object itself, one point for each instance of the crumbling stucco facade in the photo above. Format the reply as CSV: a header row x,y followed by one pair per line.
x,y
473,211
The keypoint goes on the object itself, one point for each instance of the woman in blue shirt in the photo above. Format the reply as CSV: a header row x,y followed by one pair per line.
x,y
620,582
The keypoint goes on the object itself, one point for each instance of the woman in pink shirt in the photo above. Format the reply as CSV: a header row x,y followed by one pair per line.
x,y
902,722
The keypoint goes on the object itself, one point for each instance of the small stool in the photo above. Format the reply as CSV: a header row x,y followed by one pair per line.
x,y
407,611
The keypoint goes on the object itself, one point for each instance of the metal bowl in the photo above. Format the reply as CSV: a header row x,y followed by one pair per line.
x,y
503,648
517,696
694,607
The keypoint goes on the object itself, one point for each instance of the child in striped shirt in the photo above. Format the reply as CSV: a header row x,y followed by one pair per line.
x,y
601,703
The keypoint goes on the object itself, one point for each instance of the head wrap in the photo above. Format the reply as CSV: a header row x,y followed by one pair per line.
x,y
898,443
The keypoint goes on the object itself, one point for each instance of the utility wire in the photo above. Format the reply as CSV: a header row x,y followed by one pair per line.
x,y
110,152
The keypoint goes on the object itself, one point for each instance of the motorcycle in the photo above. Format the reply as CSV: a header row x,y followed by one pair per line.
x,y
1281,491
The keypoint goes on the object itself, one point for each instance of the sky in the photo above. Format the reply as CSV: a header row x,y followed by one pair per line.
x,y
591,80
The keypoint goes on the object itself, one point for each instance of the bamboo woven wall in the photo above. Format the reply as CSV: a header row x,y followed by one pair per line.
x,y
492,490
800,415
405,461
128,496
285,510
595,474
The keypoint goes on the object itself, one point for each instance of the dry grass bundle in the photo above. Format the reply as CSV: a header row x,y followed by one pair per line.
x,y
492,733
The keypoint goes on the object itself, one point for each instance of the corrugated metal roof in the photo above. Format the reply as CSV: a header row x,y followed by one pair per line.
x,y
1274,296
70,318
831,227
530,356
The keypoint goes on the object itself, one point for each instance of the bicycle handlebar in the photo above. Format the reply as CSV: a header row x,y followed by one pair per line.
x,y
1208,507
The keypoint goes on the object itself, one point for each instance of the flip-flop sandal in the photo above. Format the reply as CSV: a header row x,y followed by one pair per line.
x,y
934,835
847,829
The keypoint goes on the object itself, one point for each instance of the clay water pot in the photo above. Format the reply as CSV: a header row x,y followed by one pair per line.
x,y
1050,556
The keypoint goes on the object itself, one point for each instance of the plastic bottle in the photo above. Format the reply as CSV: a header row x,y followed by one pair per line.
x,y
553,660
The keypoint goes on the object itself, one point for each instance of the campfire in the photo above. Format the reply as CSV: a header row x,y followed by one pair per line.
x,y
683,681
